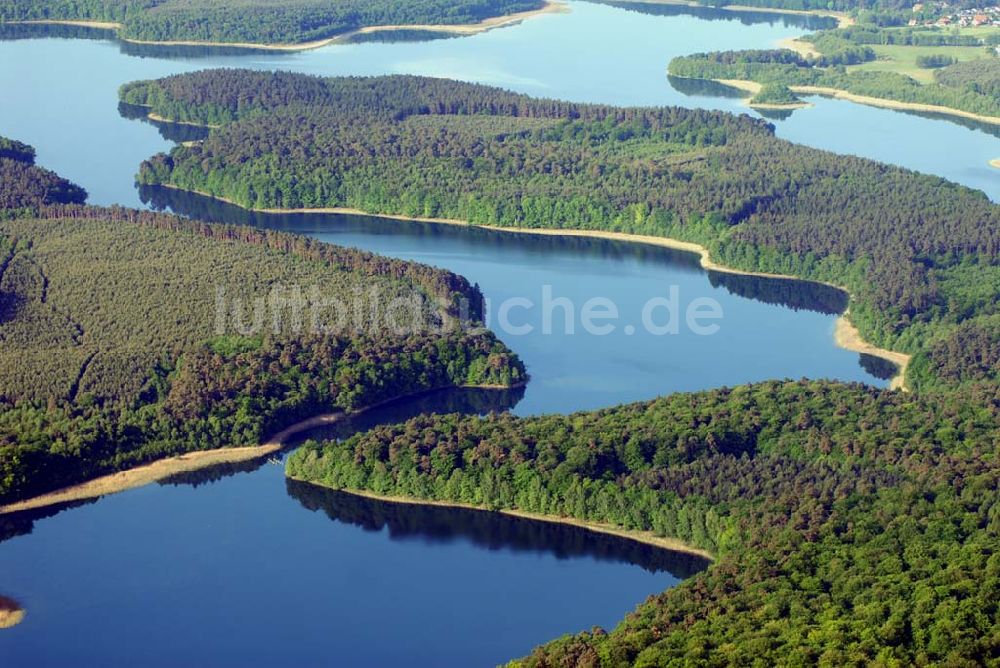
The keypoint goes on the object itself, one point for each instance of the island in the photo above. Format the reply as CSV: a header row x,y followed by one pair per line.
x,y
917,254
922,68
130,337
273,24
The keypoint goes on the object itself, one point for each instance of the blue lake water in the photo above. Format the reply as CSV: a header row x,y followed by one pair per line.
x,y
236,566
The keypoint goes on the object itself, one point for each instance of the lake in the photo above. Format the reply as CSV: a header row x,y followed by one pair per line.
x,y
235,564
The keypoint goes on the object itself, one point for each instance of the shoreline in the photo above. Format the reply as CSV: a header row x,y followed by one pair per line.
x,y
550,7
146,474
897,105
853,343
995,163
80,23
754,88
795,44
644,537
156,118
11,613
844,20
847,336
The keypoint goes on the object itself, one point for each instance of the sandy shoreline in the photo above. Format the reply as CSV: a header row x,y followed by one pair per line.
x,y
892,104
551,7
853,343
843,20
645,537
995,163
100,25
11,613
848,337
753,88
156,118
146,474
162,468
804,49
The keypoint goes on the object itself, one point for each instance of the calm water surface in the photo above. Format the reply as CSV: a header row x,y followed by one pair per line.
x,y
234,565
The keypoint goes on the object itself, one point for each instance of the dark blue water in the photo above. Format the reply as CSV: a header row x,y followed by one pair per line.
x,y
770,328
235,566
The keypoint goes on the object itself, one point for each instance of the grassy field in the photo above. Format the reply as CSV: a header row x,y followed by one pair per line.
x,y
903,59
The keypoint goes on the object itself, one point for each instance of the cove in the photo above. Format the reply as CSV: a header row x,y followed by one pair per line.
x,y
770,327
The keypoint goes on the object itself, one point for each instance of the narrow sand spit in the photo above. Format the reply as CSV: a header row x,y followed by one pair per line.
x,y
150,473
11,613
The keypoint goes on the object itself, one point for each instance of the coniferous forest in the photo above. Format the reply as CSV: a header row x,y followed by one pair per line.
x,y
904,244
259,21
116,352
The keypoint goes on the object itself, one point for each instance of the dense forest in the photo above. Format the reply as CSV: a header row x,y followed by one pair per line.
x,y
904,244
259,21
129,335
26,185
851,526
980,76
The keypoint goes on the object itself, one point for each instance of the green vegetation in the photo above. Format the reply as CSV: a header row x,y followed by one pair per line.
x,y
848,62
26,186
128,336
11,149
775,94
258,21
980,76
426,147
934,61
851,526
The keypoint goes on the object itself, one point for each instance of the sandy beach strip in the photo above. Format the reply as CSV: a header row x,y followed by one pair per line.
x,y
11,613
892,104
848,337
550,7
804,49
163,468
645,537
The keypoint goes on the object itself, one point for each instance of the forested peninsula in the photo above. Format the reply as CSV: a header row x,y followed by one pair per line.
x,y
264,22
130,336
851,526
917,68
918,254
